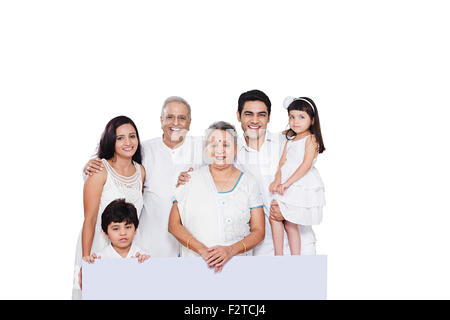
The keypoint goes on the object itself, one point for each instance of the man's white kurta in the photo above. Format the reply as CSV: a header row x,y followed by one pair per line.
x,y
163,166
263,165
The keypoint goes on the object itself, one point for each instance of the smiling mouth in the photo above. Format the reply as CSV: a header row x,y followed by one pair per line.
x,y
175,129
128,149
254,127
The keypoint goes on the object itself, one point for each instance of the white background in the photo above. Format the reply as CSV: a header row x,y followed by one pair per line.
x,y
377,70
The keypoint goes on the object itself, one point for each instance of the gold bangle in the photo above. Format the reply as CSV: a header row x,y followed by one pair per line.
x,y
187,244
245,247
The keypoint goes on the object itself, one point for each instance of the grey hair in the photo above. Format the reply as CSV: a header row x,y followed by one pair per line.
x,y
176,99
224,126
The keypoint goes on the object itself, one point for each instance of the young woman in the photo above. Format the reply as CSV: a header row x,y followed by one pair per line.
x,y
123,178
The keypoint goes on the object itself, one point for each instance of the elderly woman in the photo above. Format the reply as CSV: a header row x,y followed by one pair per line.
x,y
219,213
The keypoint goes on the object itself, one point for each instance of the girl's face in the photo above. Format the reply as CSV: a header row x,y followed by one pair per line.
x,y
299,121
220,148
126,141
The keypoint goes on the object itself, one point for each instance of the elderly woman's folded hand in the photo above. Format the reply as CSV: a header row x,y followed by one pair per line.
x,y
218,256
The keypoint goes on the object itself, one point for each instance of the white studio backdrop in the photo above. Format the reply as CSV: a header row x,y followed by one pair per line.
x,y
378,72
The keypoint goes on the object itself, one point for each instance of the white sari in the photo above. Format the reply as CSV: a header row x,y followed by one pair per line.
x,y
216,218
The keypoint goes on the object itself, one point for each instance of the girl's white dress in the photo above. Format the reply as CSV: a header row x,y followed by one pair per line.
x,y
115,187
216,218
303,201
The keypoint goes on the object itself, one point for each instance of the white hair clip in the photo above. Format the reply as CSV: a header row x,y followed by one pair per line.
x,y
287,101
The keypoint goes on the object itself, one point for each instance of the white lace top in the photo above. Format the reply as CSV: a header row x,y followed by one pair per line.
x,y
118,186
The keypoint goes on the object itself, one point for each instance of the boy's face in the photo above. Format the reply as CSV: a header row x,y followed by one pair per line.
x,y
121,234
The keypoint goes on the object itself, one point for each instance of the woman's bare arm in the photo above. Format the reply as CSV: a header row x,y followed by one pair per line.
x,y
92,192
257,232
143,177
221,254
183,236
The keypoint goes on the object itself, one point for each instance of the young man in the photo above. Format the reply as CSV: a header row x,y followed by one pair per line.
x,y
259,153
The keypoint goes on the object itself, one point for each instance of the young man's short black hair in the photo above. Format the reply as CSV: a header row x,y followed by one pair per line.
x,y
119,211
253,95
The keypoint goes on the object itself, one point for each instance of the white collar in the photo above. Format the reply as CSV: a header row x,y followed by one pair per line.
x,y
115,253
269,137
186,137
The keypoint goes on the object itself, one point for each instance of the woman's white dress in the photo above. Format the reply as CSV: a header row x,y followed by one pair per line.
x,y
216,218
115,187
303,201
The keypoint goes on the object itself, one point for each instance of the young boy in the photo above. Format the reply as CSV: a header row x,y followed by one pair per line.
x,y
119,223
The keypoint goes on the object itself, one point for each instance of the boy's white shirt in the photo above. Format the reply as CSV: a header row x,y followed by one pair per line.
x,y
109,252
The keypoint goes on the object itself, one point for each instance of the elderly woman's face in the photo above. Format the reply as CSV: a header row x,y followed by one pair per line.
x,y
220,148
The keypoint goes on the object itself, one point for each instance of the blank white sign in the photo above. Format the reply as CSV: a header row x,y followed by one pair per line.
x,y
242,278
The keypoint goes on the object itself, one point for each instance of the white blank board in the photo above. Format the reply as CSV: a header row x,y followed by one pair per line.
x,y
242,278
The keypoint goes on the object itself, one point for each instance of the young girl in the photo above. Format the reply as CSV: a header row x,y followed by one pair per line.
x,y
298,187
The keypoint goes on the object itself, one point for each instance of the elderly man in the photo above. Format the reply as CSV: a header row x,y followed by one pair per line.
x,y
163,159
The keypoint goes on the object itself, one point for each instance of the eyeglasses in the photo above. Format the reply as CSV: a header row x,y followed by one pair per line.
x,y
180,118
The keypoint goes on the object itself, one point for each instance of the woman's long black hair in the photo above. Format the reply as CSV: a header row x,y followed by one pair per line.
x,y
301,104
107,145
